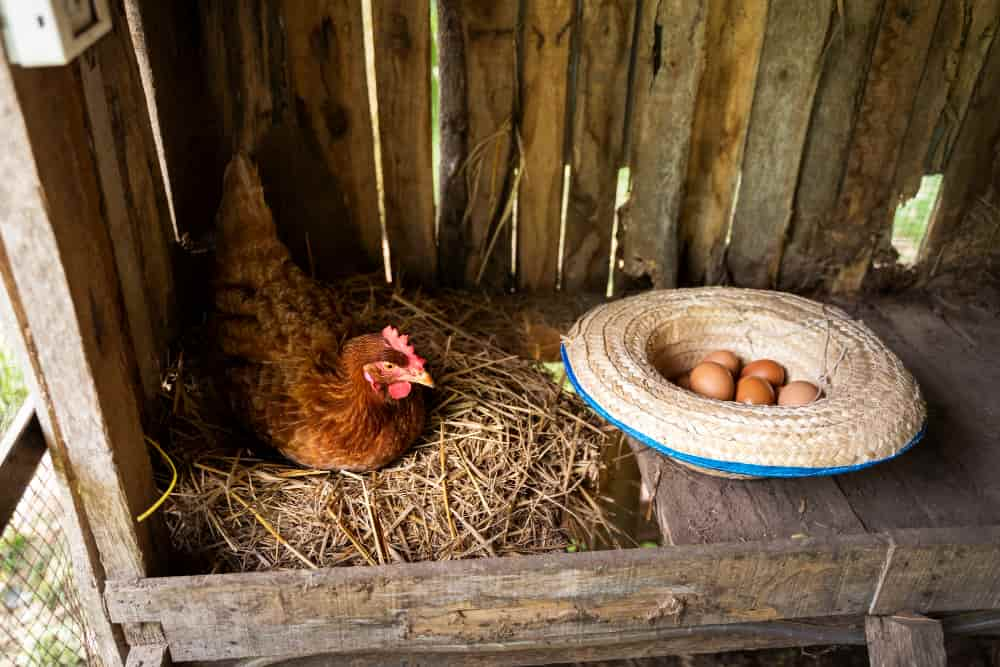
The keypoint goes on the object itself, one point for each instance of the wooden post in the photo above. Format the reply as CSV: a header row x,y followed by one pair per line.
x,y
21,450
905,640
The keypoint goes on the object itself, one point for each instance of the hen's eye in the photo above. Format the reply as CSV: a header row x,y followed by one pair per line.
x,y
388,365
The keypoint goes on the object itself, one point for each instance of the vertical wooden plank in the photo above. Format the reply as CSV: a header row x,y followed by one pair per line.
x,y
546,50
979,30
403,76
478,69
962,235
606,31
866,196
734,36
790,65
288,83
905,640
669,65
828,141
57,263
134,196
935,86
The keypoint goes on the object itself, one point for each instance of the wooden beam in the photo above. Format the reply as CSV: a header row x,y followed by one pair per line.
x,y
824,158
565,600
905,641
21,450
403,76
734,34
605,48
547,33
149,655
791,62
134,197
669,64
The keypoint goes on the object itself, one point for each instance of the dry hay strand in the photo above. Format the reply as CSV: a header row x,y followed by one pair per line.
x,y
508,463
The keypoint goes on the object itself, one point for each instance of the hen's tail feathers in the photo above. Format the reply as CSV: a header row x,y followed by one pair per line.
x,y
247,237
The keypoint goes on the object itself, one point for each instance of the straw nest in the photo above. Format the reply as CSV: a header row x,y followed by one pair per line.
x,y
509,463
621,353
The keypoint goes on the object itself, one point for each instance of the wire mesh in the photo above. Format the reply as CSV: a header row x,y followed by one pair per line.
x,y
40,619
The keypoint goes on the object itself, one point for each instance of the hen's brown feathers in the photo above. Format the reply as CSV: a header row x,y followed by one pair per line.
x,y
292,371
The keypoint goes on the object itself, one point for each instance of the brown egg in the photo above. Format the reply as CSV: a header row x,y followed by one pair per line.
x,y
798,393
725,358
755,391
683,380
712,380
766,369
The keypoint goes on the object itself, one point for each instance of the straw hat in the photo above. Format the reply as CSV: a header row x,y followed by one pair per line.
x,y
619,355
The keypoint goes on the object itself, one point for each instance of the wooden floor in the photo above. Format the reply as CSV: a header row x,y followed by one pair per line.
x,y
949,479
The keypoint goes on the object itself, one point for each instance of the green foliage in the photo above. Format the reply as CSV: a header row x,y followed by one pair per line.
x,y
910,223
12,389
12,548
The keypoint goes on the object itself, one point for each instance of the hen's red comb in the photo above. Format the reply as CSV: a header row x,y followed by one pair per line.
x,y
402,343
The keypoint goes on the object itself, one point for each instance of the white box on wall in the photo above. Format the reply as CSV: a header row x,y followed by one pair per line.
x,y
44,33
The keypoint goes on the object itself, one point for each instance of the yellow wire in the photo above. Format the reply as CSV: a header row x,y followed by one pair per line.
x,y
173,482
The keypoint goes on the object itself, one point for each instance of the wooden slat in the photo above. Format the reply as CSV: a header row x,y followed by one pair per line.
x,y
547,32
866,196
403,76
134,197
957,238
663,642
149,655
828,141
946,480
21,450
693,508
791,61
606,31
57,266
288,83
561,600
669,65
477,57
905,641
734,36
553,600
979,29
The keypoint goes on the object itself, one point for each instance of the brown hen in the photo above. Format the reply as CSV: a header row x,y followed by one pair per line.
x,y
321,402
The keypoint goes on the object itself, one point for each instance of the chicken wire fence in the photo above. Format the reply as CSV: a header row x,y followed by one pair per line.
x,y
40,619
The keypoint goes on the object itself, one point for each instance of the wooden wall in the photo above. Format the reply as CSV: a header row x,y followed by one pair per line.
x,y
769,142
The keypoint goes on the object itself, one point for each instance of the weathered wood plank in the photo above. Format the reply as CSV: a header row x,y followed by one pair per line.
x,y
961,236
288,83
979,27
905,641
693,508
134,196
150,655
654,643
946,480
828,141
606,31
791,62
478,90
403,74
566,600
548,27
866,196
735,33
21,450
669,65
57,266
949,569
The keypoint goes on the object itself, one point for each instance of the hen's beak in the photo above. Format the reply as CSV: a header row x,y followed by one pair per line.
x,y
424,378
